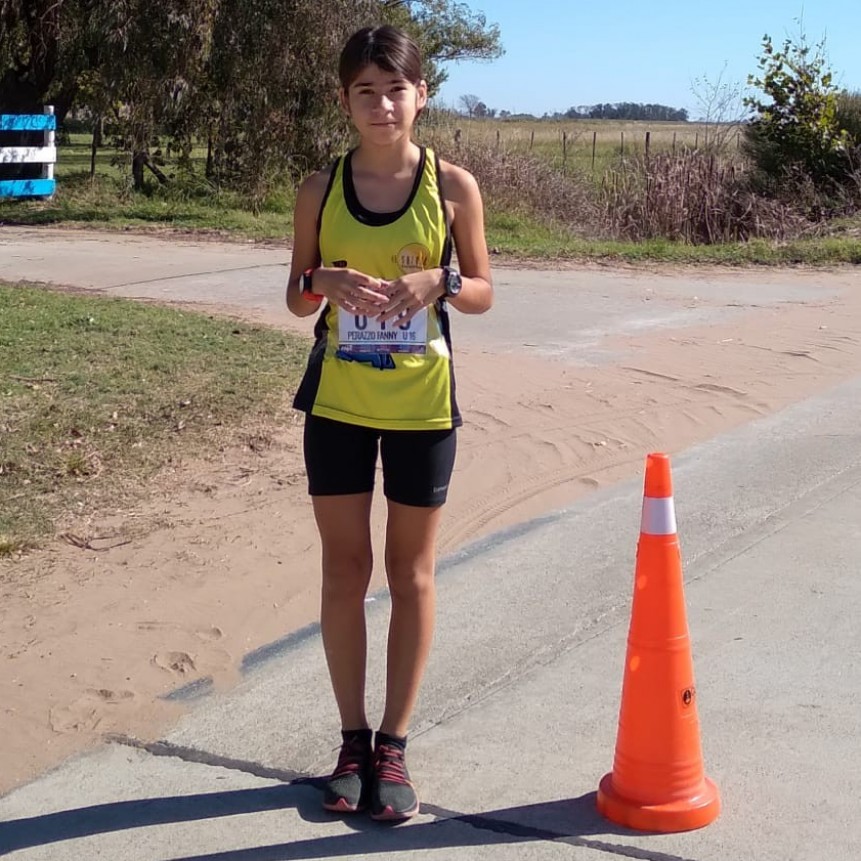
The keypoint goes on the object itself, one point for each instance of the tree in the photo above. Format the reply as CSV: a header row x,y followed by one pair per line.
x,y
470,104
447,31
271,108
255,79
30,52
722,108
795,132
149,71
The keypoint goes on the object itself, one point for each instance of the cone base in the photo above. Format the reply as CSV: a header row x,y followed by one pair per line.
x,y
686,815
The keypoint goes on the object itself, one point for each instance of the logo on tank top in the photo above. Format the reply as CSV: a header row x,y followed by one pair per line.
x,y
412,258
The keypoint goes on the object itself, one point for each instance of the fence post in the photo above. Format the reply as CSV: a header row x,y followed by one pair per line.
x,y
532,140
648,141
50,141
622,150
594,147
564,148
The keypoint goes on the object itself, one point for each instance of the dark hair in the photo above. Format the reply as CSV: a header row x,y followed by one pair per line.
x,y
387,47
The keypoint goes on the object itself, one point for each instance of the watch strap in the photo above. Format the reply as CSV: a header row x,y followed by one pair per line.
x,y
305,285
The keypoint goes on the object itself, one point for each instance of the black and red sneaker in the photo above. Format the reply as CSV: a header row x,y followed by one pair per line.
x,y
349,787
393,797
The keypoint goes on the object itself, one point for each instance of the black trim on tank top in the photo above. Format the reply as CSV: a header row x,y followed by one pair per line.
x,y
366,216
441,305
326,194
445,259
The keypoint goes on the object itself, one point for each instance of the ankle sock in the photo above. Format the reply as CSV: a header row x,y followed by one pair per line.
x,y
397,740
363,735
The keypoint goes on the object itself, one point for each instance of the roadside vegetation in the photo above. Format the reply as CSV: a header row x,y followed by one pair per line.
x,y
687,201
99,394
216,133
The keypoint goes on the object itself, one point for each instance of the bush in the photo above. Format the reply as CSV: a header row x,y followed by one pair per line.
x,y
795,133
695,197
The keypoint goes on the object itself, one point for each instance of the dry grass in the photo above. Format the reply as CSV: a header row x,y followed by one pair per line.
x,y
632,181
579,146
698,197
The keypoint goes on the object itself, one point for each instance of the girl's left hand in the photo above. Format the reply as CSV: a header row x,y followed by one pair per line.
x,y
409,294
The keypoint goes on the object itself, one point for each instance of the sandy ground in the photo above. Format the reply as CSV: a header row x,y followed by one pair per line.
x,y
223,557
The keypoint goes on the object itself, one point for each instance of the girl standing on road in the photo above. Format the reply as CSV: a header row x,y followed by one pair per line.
x,y
373,238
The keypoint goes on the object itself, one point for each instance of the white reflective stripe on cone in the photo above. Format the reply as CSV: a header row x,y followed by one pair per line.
x,y
659,516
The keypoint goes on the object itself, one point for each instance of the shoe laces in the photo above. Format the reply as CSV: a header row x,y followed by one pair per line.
x,y
352,758
389,764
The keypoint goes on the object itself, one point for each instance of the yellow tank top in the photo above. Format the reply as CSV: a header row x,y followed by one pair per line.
x,y
385,377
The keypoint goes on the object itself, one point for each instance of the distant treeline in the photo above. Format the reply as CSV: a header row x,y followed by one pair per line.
x,y
617,111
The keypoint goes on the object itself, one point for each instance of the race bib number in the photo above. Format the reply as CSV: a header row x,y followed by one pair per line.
x,y
360,334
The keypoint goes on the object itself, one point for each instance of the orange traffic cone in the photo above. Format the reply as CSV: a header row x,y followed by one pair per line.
x,y
658,782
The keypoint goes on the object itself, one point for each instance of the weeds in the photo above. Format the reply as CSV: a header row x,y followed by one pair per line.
x,y
697,197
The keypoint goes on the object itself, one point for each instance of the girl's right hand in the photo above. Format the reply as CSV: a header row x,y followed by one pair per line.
x,y
350,289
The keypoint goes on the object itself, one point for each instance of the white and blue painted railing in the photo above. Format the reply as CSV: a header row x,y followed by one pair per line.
x,y
45,155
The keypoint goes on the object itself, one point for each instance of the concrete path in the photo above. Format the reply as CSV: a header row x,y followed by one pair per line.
x,y
565,314
517,720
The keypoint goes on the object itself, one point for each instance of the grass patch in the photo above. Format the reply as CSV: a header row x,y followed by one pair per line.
x,y
98,394
519,236
106,202
188,203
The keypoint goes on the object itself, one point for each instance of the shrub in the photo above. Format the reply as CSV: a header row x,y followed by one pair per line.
x,y
795,133
694,197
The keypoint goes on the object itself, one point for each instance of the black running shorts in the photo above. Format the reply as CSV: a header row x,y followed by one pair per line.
x,y
342,458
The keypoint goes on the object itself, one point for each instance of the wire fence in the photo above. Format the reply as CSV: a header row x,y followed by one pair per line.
x,y
588,147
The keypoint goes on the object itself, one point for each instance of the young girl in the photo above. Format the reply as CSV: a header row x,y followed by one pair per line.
x,y
373,238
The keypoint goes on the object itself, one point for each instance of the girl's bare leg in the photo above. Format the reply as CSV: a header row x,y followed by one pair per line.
x,y
344,524
410,561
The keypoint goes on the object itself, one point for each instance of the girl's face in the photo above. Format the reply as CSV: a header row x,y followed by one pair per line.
x,y
383,105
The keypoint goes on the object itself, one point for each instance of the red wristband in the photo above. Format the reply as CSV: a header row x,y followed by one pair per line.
x,y
305,286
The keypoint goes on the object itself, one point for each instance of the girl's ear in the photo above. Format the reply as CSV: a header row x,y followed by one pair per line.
x,y
344,101
422,90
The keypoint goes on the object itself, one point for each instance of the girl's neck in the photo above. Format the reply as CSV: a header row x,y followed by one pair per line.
x,y
388,160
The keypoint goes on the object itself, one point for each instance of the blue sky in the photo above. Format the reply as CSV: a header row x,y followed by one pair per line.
x,y
561,53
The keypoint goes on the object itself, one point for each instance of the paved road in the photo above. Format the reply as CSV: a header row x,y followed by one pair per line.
x,y
585,305
517,720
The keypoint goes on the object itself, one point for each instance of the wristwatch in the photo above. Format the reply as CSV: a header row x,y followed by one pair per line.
x,y
305,286
451,281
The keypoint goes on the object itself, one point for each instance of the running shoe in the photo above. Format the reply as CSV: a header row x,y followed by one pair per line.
x,y
348,788
393,797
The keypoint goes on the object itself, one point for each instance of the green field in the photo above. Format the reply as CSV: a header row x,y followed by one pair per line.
x,y
585,146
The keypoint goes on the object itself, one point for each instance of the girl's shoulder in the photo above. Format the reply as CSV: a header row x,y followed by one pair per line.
x,y
457,182
313,189
319,180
